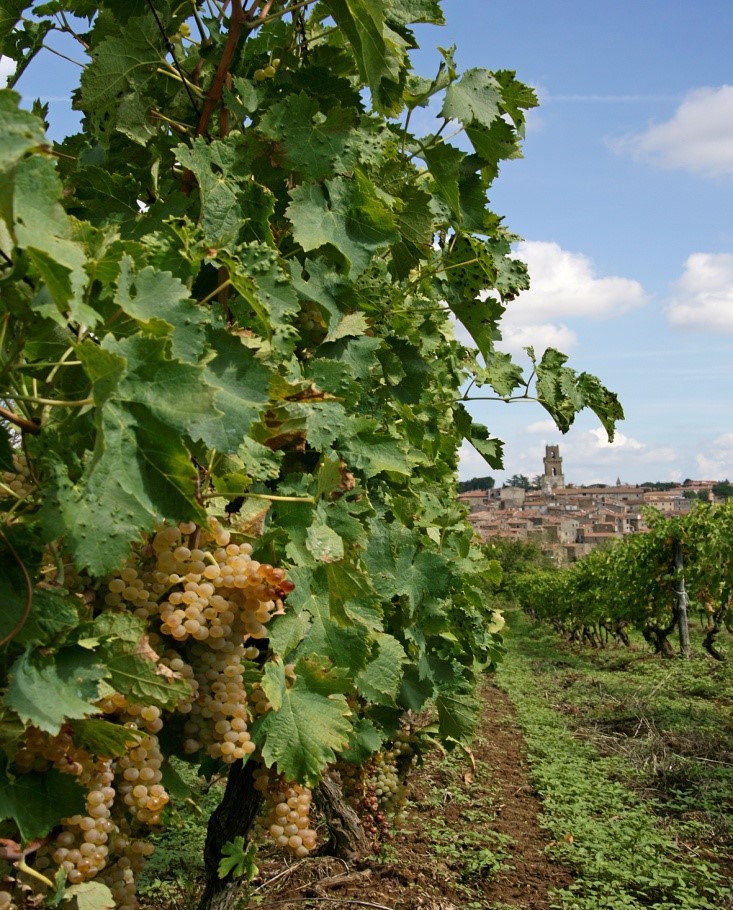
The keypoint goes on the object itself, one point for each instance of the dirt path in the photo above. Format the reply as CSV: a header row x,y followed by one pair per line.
x,y
529,876
473,840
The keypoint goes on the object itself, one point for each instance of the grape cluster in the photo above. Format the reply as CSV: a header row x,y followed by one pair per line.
x,y
358,787
378,790
18,481
7,902
288,822
267,72
219,716
92,845
206,603
140,776
391,768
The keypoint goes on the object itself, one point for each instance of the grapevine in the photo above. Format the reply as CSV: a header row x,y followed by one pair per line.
x,y
231,401
636,583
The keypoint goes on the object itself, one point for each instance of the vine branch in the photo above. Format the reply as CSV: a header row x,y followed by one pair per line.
x,y
172,51
28,426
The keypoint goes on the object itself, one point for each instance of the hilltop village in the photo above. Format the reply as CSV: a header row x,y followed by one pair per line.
x,y
566,521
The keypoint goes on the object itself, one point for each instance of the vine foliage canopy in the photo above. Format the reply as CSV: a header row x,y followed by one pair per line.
x,y
227,343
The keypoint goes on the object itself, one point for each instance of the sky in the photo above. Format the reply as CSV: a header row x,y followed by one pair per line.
x,y
624,200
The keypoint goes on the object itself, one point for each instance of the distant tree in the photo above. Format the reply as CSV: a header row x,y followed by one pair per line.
x,y
723,489
476,483
519,480
660,485
700,495
515,558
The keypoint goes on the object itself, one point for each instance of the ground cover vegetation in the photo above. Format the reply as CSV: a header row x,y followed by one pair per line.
x,y
231,401
633,758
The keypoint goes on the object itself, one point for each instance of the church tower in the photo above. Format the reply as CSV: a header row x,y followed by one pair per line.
x,y
553,477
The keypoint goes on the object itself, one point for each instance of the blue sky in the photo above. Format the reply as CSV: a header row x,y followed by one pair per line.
x,y
624,201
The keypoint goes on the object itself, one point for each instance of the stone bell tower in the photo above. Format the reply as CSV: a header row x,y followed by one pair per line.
x,y
553,478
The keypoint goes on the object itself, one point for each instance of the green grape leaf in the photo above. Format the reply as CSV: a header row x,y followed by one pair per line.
x,y
492,449
240,382
214,164
351,324
139,473
500,372
43,230
323,542
307,141
332,635
457,716
563,392
20,132
365,740
131,664
405,12
493,144
162,305
38,802
444,163
103,738
174,393
48,689
475,98
302,737
378,59
53,613
237,861
373,451
268,302
516,97
345,214
90,896
123,64
415,690
380,680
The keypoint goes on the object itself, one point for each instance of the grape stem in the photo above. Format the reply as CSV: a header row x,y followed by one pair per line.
x,y
22,866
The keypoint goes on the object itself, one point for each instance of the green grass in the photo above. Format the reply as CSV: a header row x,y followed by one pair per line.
x,y
610,813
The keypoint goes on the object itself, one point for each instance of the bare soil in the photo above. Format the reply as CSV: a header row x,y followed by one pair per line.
x,y
435,863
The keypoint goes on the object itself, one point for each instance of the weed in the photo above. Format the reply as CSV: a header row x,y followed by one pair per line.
x,y
623,857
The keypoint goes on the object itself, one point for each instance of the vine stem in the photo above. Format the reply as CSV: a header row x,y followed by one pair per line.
x,y
271,497
283,12
29,592
28,426
213,96
54,402
172,51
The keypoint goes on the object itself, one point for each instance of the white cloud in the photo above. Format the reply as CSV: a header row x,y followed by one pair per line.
x,y
702,298
563,283
698,137
543,427
598,439
516,338
471,464
7,68
717,462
